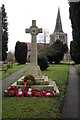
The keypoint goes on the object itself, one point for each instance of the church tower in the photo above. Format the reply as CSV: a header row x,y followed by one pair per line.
x,y
58,27
58,32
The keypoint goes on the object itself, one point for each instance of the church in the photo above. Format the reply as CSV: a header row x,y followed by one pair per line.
x,y
57,34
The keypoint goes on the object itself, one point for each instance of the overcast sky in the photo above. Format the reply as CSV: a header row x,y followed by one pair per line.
x,y
21,13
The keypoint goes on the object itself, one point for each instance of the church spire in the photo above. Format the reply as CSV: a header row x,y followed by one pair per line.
x,y
58,27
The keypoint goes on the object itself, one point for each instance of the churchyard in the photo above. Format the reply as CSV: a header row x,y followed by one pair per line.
x,y
34,92
46,104
19,100
39,107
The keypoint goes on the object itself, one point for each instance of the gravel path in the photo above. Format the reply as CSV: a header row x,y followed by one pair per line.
x,y
10,79
70,108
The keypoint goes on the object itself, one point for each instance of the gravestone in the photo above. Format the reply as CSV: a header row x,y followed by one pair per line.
x,y
34,69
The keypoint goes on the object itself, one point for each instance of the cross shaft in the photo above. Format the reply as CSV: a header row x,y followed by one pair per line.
x,y
34,31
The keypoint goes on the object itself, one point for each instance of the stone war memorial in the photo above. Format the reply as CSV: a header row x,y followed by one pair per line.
x,y
33,83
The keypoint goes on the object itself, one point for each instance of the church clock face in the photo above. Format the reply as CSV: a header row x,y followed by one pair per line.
x,y
34,30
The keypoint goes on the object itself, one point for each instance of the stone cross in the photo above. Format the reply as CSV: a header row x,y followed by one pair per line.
x,y
33,30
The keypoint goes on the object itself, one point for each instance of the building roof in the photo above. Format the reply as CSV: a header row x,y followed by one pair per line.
x,y
58,27
28,46
40,46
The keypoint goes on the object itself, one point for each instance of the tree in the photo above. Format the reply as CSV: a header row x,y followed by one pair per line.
x,y
10,57
49,53
21,52
56,52
42,61
65,48
75,54
4,33
75,21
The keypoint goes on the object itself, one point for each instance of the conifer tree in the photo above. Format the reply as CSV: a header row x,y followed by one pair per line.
x,y
4,33
21,52
75,21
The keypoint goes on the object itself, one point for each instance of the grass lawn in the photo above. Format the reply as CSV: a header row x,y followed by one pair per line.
x,y
38,107
14,68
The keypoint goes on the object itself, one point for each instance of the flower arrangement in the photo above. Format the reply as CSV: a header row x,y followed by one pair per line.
x,y
11,91
28,92
29,80
48,93
20,92
38,93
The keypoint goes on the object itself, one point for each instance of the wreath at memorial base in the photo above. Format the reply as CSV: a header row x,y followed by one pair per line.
x,y
29,92
48,93
20,92
29,80
11,91
38,93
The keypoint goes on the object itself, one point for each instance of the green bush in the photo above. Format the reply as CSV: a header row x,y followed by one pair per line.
x,y
42,61
9,66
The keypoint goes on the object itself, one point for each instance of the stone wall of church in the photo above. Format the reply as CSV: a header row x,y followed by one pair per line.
x,y
58,35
